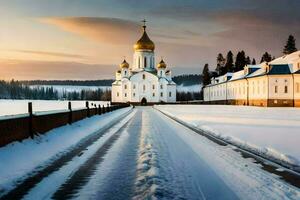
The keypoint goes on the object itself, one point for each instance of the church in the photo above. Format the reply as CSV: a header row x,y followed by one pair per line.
x,y
142,82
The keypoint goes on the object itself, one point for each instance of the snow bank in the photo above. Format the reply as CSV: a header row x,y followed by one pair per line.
x,y
19,159
270,132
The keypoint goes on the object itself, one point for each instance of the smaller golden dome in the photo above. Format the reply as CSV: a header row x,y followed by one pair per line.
x,y
124,64
161,64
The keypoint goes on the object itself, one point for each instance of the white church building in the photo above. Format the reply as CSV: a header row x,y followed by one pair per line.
x,y
142,83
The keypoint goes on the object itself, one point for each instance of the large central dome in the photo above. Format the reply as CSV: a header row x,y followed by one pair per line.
x,y
144,43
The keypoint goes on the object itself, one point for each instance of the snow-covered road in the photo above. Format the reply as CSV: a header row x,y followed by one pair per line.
x,y
149,156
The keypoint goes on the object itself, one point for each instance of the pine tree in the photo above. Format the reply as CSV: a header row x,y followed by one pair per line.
x,y
248,60
253,61
205,75
220,64
229,62
240,61
290,46
266,57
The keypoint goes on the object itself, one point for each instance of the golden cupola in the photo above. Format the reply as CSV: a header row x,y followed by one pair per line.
x,y
162,64
144,43
124,64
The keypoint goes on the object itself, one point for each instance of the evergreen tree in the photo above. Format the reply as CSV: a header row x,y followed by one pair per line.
x,y
240,61
229,62
248,60
220,64
205,75
253,62
290,46
266,57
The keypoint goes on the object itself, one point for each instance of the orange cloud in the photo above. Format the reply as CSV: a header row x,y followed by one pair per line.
x,y
106,30
55,54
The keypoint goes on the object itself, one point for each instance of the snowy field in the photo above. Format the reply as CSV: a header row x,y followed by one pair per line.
x,y
274,132
190,88
14,107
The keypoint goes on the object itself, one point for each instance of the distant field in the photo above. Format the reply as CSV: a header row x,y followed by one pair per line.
x,y
14,107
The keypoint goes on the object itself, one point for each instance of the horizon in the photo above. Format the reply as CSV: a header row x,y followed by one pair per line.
x,y
43,40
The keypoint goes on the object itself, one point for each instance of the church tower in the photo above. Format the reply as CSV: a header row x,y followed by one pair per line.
x,y
144,58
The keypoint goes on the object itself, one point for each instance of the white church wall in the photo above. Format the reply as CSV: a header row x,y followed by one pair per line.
x,y
140,57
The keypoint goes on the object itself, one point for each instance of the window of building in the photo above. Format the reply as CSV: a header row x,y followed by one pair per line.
x,y
125,94
118,94
145,61
153,87
297,87
276,89
161,94
161,86
133,86
134,94
160,73
144,76
139,62
170,94
286,89
285,80
125,72
125,86
144,88
153,94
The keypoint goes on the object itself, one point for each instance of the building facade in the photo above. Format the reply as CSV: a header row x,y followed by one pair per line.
x,y
268,84
143,82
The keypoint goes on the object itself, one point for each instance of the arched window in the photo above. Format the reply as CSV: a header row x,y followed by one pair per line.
x,y
144,87
145,61
160,73
139,64
125,86
144,76
125,72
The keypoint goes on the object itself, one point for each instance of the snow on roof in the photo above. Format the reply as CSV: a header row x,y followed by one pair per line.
x,y
238,75
287,59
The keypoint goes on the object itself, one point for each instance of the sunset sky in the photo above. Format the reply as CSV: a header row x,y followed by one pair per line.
x,y
87,39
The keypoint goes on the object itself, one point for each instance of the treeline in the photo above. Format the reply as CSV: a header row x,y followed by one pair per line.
x,y
17,90
188,96
105,82
187,80
232,63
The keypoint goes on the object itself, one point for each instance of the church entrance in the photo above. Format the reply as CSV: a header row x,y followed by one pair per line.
x,y
144,101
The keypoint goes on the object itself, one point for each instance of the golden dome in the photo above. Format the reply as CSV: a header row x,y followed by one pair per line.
x,y
144,43
124,64
161,64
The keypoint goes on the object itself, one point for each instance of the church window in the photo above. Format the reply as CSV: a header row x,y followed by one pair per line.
x,y
139,60
161,94
170,94
161,86
145,61
153,87
144,76
276,89
118,94
125,94
125,86
134,94
144,87
160,73
134,86
153,94
125,72
286,89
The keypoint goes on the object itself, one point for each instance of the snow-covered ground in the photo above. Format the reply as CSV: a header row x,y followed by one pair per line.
x,y
272,132
190,88
144,156
18,159
14,107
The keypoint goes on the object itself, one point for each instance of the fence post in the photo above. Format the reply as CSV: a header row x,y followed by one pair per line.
x,y
107,107
70,112
30,119
87,108
99,109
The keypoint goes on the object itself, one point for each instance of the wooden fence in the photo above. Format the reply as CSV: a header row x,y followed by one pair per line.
x,y
20,127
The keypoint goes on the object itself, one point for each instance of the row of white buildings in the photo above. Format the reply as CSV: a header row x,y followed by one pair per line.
x,y
276,83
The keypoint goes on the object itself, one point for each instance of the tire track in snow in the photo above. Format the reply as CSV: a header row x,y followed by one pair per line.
x,y
37,176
